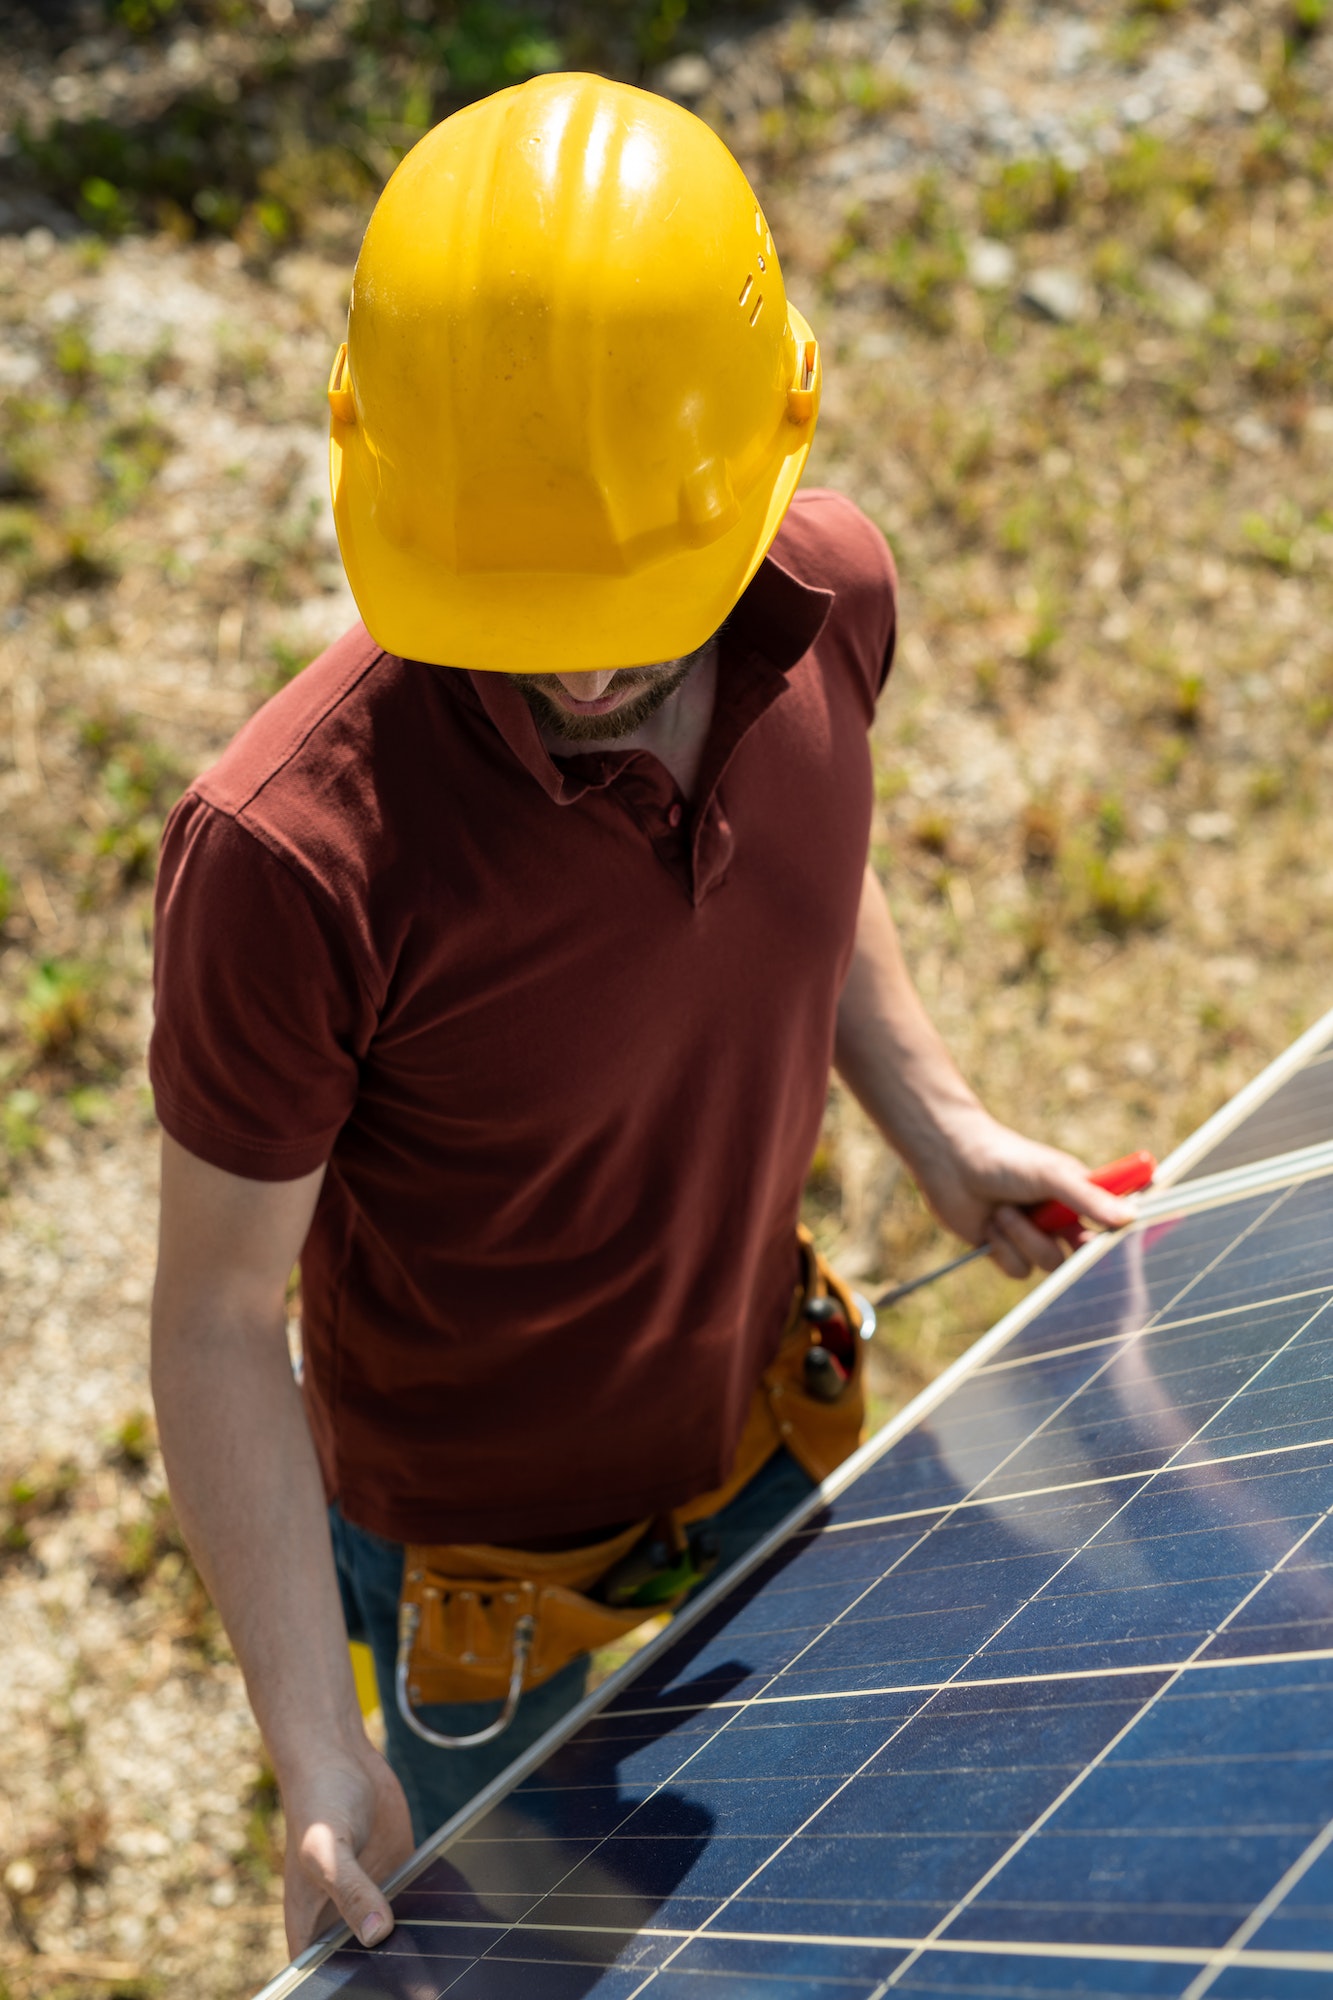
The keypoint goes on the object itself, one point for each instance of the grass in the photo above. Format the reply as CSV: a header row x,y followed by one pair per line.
x,y
33,1496
261,1855
148,1559
135,1442
138,779
20,1124
1092,550
58,1009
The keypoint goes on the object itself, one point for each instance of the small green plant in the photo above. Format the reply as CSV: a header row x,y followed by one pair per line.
x,y
287,663
142,16
134,1442
1020,524
1037,931
1042,835
1268,788
1170,764
149,1559
18,528
139,781
104,207
958,14
131,457
1111,823
1039,647
32,1496
1029,194
18,1123
88,1105
1185,705
986,681
1305,19
73,356
1280,538
81,560
872,91
1108,897
891,782
921,278
57,1008
933,832
925,262
260,1858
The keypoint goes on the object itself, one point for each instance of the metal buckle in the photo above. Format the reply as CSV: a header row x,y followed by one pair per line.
x,y
409,1618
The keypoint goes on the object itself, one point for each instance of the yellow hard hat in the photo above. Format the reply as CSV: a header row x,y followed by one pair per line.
x,y
573,403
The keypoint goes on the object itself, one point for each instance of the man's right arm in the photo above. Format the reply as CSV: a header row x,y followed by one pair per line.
x,y
246,1487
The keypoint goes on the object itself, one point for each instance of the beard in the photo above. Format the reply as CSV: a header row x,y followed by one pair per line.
x,y
655,686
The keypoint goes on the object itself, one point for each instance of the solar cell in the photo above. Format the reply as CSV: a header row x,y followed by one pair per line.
x,y
1035,1699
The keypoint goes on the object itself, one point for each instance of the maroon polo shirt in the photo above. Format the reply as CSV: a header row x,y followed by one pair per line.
x,y
560,1036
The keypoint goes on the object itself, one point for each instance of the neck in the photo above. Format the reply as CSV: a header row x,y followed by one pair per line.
x,y
675,734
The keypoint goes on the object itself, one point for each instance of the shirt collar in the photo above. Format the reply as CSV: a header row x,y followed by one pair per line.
x,y
773,626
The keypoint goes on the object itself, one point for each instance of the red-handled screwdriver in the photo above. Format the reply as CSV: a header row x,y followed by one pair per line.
x,y
1127,1176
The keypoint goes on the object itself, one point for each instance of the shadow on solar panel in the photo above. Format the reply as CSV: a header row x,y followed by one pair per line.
x,y
1034,1698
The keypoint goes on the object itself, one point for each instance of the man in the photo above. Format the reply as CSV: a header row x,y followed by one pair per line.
x,y
501,961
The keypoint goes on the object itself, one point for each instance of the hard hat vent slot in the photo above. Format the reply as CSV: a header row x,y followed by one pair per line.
x,y
341,400
758,308
747,288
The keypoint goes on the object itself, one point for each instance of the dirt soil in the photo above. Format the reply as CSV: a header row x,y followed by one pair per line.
x,y
1068,267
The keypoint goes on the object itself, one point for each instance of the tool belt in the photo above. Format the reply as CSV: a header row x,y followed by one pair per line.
x,y
478,1623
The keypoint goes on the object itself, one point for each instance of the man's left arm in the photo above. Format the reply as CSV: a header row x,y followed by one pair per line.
x,y
977,1174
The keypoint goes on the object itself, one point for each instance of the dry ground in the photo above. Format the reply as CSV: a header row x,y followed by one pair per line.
x,y
1069,268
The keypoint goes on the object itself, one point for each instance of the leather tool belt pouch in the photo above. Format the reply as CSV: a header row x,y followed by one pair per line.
x,y
481,1623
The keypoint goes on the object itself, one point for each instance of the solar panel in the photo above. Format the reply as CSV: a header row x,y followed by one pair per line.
x,y
1034,1698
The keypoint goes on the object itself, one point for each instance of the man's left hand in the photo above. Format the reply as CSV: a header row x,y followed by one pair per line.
x,y
981,1178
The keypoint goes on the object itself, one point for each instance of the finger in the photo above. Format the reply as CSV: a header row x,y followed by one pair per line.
x,y
307,1914
1069,1183
1034,1245
1004,1252
328,1862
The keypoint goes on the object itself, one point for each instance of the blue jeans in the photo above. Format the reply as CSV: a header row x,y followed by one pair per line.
x,y
439,1782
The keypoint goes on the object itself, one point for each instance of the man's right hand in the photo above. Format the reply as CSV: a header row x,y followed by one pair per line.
x,y
348,1828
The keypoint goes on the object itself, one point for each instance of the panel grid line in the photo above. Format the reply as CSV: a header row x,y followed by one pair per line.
x,y
1107,1954
1095,1763
783,1845
1136,1401
1044,1354
1051,1674
1234,1948
527,1918
1197,1278
1059,1486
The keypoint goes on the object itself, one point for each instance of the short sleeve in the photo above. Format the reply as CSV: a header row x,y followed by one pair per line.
x,y
258,1006
866,582
827,541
